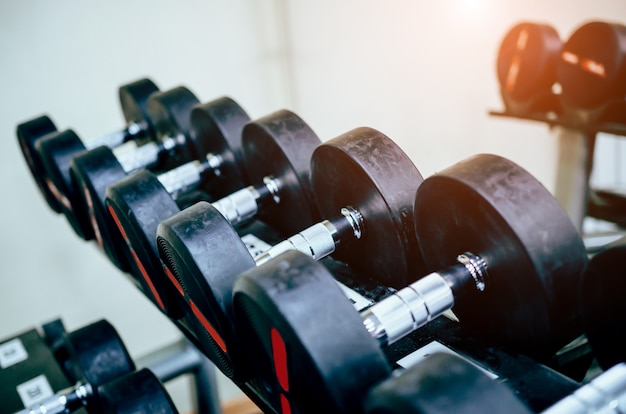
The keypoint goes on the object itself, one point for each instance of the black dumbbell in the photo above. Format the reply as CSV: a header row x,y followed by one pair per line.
x,y
517,287
136,392
133,97
593,76
602,305
140,392
444,383
526,68
354,170
93,355
58,152
93,171
276,149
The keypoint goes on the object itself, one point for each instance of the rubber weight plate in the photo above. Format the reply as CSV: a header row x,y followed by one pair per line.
x,y
280,145
56,153
307,343
136,393
170,114
97,353
442,384
602,306
204,253
216,128
28,133
527,60
93,172
493,208
592,68
134,102
366,170
136,211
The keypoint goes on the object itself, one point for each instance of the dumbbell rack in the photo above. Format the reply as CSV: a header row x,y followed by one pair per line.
x,y
536,384
34,363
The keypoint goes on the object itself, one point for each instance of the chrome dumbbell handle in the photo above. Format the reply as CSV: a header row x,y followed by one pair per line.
x,y
605,394
321,239
414,306
132,156
62,402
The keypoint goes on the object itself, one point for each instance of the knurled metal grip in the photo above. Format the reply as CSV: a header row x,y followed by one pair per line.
x,y
183,178
408,309
317,241
111,140
133,157
604,394
239,206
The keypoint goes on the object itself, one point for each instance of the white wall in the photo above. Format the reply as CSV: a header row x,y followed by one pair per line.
x,y
67,58
423,72
420,71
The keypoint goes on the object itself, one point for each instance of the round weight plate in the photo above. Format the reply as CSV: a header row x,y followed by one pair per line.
x,y
93,172
366,170
442,384
56,153
170,114
602,305
137,204
527,60
28,133
205,254
134,102
592,68
493,208
97,353
216,128
280,145
307,344
136,393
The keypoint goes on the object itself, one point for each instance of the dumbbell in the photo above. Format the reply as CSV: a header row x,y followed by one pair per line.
x,y
593,76
93,171
445,383
526,68
275,149
167,112
355,170
602,305
140,392
93,355
518,261
133,97
133,393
